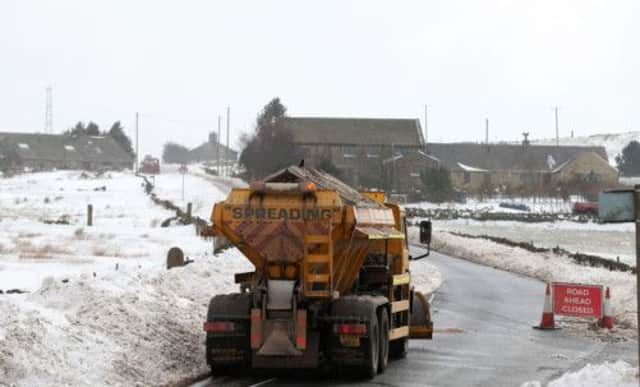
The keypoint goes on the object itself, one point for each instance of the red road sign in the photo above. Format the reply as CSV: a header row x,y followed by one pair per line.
x,y
577,300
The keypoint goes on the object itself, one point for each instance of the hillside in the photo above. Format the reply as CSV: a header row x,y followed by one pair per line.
x,y
613,143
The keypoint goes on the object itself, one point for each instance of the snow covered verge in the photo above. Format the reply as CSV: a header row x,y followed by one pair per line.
x,y
121,328
547,267
425,277
619,374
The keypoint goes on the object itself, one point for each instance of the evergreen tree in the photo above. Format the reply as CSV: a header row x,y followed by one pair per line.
x,y
175,153
629,161
118,134
78,130
437,184
271,146
92,129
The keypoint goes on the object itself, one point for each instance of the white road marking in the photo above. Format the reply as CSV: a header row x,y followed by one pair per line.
x,y
263,382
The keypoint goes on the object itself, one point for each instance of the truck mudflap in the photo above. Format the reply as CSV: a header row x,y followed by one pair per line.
x,y
308,358
420,326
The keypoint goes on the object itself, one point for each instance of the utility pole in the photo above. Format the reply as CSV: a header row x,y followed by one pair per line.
x,y
426,124
218,146
137,123
226,151
48,114
557,128
636,197
486,131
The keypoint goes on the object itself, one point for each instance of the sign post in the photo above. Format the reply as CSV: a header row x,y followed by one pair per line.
x,y
624,206
637,213
183,171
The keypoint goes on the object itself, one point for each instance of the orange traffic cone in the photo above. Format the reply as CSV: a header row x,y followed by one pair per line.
x,y
547,321
607,318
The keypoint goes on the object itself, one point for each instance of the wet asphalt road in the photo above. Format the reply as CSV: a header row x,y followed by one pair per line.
x,y
483,319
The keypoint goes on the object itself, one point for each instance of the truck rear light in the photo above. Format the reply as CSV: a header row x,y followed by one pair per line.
x,y
219,326
301,329
350,329
256,328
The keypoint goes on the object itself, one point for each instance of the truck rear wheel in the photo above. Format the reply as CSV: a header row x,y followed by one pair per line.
x,y
372,350
230,352
383,357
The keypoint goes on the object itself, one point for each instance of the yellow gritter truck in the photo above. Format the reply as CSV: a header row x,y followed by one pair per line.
x,y
331,284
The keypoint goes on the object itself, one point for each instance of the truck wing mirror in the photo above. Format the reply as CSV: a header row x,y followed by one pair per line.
x,y
425,232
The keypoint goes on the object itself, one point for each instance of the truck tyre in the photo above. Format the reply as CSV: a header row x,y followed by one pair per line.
x,y
383,357
232,307
372,350
399,348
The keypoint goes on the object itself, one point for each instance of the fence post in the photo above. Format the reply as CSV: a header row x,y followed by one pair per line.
x,y
89,215
189,211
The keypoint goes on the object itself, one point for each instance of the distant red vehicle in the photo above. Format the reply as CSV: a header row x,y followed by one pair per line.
x,y
587,208
150,165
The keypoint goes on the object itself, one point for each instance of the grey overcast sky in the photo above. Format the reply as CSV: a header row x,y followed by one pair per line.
x,y
180,63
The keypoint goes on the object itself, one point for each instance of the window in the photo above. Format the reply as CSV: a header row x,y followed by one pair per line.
x,y
70,148
22,145
467,178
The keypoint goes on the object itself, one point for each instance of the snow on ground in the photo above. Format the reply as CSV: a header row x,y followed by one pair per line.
x,y
619,374
424,276
547,267
198,191
538,205
102,308
612,241
126,327
126,228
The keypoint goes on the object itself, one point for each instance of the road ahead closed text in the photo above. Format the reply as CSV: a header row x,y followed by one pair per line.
x,y
577,300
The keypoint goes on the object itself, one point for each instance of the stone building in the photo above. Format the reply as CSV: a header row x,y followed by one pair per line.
x,y
208,152
356,146
402,173
36,151
477,167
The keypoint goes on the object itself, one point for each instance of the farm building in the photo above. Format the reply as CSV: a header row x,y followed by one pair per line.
x,y
36,151
208,152
356,146
476,167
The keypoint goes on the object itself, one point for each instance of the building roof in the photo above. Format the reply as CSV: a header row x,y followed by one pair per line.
x,y
59,147
355,131
415,154
507,157
208,151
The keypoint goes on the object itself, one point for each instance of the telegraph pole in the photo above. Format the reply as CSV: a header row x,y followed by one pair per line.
x,y
137,119
486,131
557,128
636,200
226,151
48,114
426,124
218,145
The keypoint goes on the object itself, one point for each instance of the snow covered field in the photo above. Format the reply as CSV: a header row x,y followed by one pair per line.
x,y
610,241
613,143
539,205
126,228
100,297
548,267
